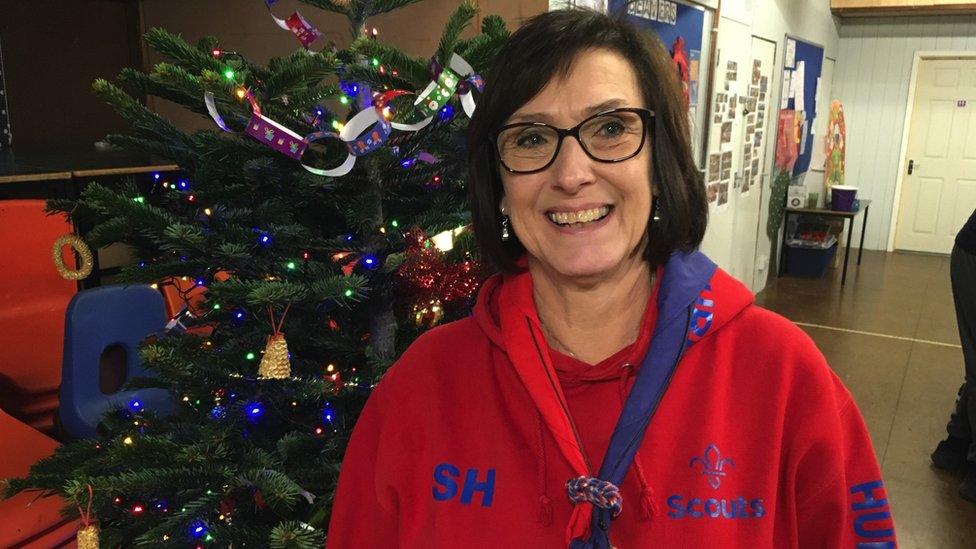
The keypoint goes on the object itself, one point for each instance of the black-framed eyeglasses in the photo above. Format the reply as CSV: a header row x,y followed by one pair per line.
x,y
610,136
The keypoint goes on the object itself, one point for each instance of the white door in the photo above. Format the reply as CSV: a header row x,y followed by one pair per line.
x,y
939,193
757,91
723,165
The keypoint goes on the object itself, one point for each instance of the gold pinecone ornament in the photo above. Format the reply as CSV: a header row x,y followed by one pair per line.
x,y
275,363
88,537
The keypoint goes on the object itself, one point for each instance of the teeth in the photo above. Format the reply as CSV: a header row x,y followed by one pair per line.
x,y
581,216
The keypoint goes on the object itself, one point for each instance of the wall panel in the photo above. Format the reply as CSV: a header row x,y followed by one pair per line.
x,y
872,80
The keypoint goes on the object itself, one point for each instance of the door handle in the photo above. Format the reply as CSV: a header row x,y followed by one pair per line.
x,y
911,166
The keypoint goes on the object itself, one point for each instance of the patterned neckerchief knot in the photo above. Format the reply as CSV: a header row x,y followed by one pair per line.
x,y
600,493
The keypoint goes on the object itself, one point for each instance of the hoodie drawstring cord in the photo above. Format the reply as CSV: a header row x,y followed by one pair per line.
x,y
545,502
648,507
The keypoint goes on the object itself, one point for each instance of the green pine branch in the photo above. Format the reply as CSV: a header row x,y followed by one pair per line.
x,y
295,535
146,123
456,23
410,70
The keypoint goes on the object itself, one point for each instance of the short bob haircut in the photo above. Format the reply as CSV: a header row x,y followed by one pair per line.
x,y
545,48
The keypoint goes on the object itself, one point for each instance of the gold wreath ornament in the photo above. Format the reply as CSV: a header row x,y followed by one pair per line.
x,y
84,252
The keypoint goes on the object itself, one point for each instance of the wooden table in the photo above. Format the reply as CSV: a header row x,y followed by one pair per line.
x,y
865,205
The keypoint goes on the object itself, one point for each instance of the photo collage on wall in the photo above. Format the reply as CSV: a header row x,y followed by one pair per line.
x,y
755,105
719,169
751,106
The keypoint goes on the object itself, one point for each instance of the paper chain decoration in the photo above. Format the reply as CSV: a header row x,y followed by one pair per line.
x,y
459,77
305,32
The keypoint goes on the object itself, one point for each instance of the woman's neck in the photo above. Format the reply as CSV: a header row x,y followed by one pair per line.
x,y
593,319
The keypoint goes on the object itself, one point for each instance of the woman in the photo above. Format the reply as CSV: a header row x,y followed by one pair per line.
x,y
612,386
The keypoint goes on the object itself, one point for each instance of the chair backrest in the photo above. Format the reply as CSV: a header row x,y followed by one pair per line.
x,y
26,268
33,297
117,318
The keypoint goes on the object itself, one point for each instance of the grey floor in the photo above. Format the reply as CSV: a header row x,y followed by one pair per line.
x,y
890,334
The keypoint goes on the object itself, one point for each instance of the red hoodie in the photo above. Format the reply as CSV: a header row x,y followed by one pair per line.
x,y
755,443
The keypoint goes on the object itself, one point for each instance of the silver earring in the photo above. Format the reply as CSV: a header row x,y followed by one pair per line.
x,y
505,235
657,211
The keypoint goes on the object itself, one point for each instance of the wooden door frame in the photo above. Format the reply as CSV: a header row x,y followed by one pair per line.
x,y
909,108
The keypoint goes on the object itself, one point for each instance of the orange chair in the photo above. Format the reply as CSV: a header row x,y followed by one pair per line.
x,y
183,291
175,288
25,520
33,299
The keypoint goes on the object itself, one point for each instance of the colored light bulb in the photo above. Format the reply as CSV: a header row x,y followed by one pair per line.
x,y
197,528
254,410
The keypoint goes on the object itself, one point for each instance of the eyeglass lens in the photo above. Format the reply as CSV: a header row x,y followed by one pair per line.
x,y
608,137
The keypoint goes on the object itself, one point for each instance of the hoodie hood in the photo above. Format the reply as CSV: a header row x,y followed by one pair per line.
x,y
734,297
691,300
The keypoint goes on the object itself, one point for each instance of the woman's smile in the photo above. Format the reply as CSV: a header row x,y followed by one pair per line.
x,y
580,221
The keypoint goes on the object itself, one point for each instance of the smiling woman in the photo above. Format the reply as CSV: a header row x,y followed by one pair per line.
x,y
592,70
613,387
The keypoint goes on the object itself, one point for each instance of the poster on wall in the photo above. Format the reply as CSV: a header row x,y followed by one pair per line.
x,y
694,68
787,141
835,147
683,31
803,62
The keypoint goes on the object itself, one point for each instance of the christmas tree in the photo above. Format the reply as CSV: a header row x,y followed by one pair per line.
x,y
266,238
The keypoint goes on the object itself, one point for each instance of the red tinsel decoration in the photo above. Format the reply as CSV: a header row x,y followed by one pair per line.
x,y
430,277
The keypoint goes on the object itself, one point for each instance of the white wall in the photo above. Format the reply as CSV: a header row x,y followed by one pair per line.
x,y
812,21
872,79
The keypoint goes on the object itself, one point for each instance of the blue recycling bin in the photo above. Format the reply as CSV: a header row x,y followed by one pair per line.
x,y
809,262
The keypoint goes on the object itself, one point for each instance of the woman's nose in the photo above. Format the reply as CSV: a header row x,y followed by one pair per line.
x,y
572,168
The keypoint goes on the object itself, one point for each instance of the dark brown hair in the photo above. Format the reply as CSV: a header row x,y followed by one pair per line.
x,y
545,48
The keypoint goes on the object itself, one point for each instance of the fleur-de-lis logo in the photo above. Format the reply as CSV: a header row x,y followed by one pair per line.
x,y
713,465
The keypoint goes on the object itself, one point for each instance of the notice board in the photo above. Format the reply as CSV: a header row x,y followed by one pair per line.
x,y
802,68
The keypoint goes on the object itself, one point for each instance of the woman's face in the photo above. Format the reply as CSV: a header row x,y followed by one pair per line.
x,y
540,204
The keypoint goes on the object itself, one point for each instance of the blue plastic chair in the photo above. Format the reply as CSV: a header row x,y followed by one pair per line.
x,y
95,320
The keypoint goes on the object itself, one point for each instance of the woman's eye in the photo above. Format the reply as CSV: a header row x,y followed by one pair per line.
x,y
611,129
530,139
